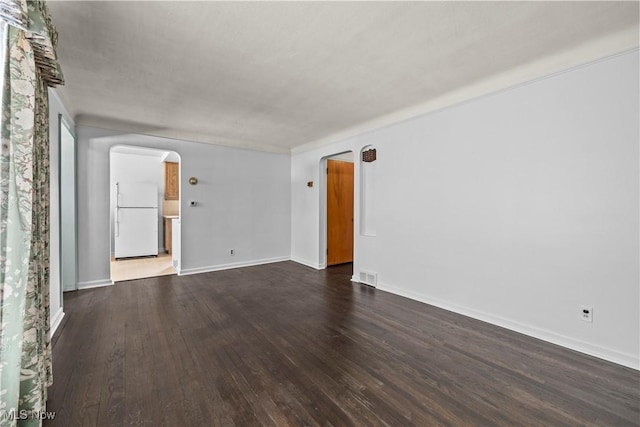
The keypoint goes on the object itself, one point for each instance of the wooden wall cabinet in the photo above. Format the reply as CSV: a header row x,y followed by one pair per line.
x,y
171,183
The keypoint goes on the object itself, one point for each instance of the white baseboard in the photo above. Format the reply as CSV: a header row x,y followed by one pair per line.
x,y
56,319
188,271
608,354
95,284
308,263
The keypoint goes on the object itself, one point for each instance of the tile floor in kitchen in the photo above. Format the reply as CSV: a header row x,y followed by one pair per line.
x,y
139,268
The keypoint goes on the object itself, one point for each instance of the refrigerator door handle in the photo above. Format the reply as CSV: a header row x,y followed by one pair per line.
x,y
117,209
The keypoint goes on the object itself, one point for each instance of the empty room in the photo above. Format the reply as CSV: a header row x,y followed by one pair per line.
x,y
320,213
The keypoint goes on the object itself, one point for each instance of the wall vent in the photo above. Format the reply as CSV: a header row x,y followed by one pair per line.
x,y
369,278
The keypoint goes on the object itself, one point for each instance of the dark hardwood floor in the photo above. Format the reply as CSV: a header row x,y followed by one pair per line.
x,y
283,344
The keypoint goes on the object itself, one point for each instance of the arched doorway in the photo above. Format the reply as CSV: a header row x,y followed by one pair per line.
x,y
142,212
338,209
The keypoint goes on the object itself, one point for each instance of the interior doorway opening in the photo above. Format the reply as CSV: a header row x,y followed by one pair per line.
x,y
68,196
338,210
145,212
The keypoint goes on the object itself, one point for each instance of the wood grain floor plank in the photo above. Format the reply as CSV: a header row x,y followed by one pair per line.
x,y
286,345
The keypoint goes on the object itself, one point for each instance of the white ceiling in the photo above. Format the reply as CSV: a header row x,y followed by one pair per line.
x,y
275,76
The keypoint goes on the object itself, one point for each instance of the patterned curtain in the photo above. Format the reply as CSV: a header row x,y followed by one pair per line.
x,y
30,66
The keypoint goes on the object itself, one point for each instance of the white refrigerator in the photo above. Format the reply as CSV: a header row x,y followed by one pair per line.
x,y
136,220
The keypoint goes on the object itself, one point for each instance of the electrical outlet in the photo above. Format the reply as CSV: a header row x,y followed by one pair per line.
x,y
586,313
232,252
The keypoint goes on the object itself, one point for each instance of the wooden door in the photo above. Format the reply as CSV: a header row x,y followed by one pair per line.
x,y
339,212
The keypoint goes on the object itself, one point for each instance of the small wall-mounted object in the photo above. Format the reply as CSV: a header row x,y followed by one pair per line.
x,y
310,184
193,203
369,155
586,313
193,180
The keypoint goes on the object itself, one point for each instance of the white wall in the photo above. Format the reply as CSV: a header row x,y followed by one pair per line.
x,y
344,157
368,192
243,204
515,208
129,167
55,291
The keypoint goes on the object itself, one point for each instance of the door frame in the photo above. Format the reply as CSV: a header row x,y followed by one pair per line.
x,y
322,238
64,194
111,197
